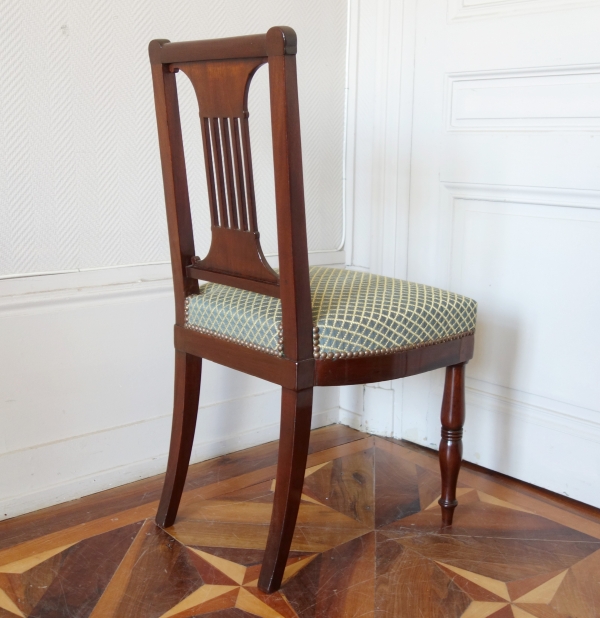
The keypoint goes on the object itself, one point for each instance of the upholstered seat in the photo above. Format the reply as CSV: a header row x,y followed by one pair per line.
x,y
354,314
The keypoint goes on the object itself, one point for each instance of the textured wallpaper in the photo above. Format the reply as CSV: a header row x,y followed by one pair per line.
x,y
80,179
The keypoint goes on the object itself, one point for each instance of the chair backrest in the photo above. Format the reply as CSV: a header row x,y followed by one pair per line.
x,y
221,71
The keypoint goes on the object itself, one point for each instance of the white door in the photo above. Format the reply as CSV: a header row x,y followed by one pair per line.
x,y
505,208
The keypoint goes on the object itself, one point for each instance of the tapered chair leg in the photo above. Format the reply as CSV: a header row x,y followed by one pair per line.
x,y
453,418
296,412
188,370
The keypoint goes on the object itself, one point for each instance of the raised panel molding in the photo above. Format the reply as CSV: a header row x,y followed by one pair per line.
x,y
540,202
542,196
454,192
525,99
581,423
474,9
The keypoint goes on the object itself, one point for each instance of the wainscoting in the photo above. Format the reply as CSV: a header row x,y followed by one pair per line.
x,y
86,376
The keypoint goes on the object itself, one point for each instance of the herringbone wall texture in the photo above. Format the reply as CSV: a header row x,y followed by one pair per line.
x,y
80,180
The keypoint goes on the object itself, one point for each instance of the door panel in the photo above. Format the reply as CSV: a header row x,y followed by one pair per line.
x,y
505,208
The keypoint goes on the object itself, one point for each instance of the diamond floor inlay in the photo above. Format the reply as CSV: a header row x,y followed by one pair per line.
x,y
368,543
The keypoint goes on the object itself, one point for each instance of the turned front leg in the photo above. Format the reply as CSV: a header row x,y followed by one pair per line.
x,y
453,419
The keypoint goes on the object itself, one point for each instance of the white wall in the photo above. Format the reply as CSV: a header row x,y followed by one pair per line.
x,y
473,162
86,360
80,182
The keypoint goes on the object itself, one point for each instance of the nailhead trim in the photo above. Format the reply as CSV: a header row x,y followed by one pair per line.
x,y
318,355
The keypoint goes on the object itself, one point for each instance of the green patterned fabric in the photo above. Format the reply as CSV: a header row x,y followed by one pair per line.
x,y
354,314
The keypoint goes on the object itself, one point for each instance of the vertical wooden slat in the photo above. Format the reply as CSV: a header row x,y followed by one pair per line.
x,y
210,174
231,201
249,177
239,174
218,160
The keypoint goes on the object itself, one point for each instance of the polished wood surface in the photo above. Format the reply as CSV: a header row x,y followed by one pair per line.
x,y
368,542
393,366
188,370
221,72
296,413
451,447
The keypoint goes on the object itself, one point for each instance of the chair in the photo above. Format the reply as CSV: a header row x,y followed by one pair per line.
x,y
299,327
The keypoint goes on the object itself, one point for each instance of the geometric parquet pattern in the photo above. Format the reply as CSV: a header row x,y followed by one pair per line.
x,y
367,543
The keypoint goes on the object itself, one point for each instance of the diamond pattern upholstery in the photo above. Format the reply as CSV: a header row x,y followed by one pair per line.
x,y
354,314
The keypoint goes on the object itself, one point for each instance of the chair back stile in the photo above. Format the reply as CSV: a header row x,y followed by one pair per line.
x,y
220,72
179,216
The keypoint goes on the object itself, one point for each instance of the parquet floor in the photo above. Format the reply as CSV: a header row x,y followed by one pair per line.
x,y
368,543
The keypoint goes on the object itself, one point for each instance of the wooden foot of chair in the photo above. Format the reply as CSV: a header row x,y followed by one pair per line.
x,y
296,412
453,418
188,370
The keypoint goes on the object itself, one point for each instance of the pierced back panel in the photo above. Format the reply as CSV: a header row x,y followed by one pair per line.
x,y
221,88
220,71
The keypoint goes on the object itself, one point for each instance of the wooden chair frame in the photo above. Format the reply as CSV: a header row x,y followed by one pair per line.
x,y
221,71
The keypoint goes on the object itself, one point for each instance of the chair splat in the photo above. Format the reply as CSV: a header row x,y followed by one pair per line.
x,y
221,87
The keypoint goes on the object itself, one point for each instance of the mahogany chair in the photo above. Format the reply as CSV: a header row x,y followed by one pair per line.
x,y
300,327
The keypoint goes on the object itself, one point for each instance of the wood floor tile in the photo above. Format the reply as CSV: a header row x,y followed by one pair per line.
x,y
225,511
8,604
396,488
518,589
408,584
207,599
251,536
24,590
346,485
73,535
257,603
155,575
338,583
537,611
260,492
84,574
579,593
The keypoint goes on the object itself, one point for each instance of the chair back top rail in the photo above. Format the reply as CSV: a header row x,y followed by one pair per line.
x,y
220,71
251,46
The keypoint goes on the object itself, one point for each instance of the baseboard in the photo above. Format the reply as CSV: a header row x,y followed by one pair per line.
x,y
539,445
351,419
131,449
